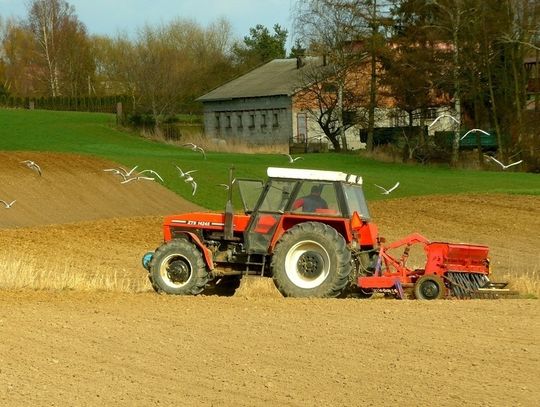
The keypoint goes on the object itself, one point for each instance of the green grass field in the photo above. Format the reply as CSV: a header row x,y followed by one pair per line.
x,y
96,134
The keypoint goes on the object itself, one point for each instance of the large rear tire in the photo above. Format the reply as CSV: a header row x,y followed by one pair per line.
x,y
178,268
311,260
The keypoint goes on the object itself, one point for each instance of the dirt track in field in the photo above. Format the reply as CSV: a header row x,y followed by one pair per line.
x,y
92,348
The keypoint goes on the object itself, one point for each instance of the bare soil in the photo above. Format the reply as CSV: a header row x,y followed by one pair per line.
x,y
254,348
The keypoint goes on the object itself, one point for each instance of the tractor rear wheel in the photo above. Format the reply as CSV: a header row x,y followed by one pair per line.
x,y
311,260
178,268
429,288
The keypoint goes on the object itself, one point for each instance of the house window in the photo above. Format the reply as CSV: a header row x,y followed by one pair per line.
x,y
239,121
263,120
275,120
251,121
218,124
228,118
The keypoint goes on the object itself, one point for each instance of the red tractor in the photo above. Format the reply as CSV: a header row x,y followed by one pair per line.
x,y
309,230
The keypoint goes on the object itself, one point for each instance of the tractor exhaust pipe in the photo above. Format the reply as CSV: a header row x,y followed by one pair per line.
x,y
228,232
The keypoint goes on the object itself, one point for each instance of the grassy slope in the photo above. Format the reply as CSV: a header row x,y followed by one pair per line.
x,y
95,134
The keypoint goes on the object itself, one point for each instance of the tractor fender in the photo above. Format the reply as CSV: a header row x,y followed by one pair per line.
x,y
207,254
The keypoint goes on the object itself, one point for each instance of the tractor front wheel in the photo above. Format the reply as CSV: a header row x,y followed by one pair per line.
x,y
429,288
311,260
178,268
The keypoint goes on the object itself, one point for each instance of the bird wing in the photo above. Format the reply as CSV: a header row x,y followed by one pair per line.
x,y
37,168
497,161
516,163
125,181
4,202
131,171
288,156
384,189
466,134
180,171
394,187
189,144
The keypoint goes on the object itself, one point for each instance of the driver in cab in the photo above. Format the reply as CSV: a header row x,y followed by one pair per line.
x,y
311,202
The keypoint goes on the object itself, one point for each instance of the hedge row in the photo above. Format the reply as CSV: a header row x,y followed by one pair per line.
x,y
106,104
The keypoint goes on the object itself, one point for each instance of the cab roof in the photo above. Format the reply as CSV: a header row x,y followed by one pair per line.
x,y
316,175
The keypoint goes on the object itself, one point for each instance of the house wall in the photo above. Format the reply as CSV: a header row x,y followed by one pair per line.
x,y
260,120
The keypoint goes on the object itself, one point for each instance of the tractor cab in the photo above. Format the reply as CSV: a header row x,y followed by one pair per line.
x,y
291,196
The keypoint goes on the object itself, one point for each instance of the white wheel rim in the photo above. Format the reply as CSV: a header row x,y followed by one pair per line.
x,y
164,271
299,253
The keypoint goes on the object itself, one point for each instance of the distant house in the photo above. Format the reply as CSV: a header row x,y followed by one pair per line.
x,y
258,107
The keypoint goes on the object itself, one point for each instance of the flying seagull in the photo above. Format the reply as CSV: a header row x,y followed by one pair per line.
x,y
32,165
8,205
387,191
291,159
184,174
136,179
474,131
151,172
227,186
504,167
441,116
195,147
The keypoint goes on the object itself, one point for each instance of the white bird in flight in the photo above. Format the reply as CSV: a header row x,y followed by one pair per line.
x,y
184,174
387,191
504,167
474,131
151,172
441,116
32,165
195,147
136,179
8,205
293,159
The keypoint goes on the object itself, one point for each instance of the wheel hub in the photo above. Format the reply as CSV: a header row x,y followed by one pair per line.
x,y
178,271
310,265
429,289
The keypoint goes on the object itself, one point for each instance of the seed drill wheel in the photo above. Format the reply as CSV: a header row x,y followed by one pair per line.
x,y
311,260
429,288
178,268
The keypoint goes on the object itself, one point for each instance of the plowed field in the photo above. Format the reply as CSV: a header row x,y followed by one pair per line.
x,y
87,347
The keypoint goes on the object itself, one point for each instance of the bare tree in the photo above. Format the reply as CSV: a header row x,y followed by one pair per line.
x,y
334,104
46,19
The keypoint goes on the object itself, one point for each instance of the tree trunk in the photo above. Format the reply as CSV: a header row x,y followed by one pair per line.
x,y
341,131
457,94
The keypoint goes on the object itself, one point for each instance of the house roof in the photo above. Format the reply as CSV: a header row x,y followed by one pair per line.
x,y
275,78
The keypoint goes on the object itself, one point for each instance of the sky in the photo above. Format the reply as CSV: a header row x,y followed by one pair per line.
x,y
109,17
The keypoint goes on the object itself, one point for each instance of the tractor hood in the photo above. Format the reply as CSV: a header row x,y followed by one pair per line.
x,y
204,220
